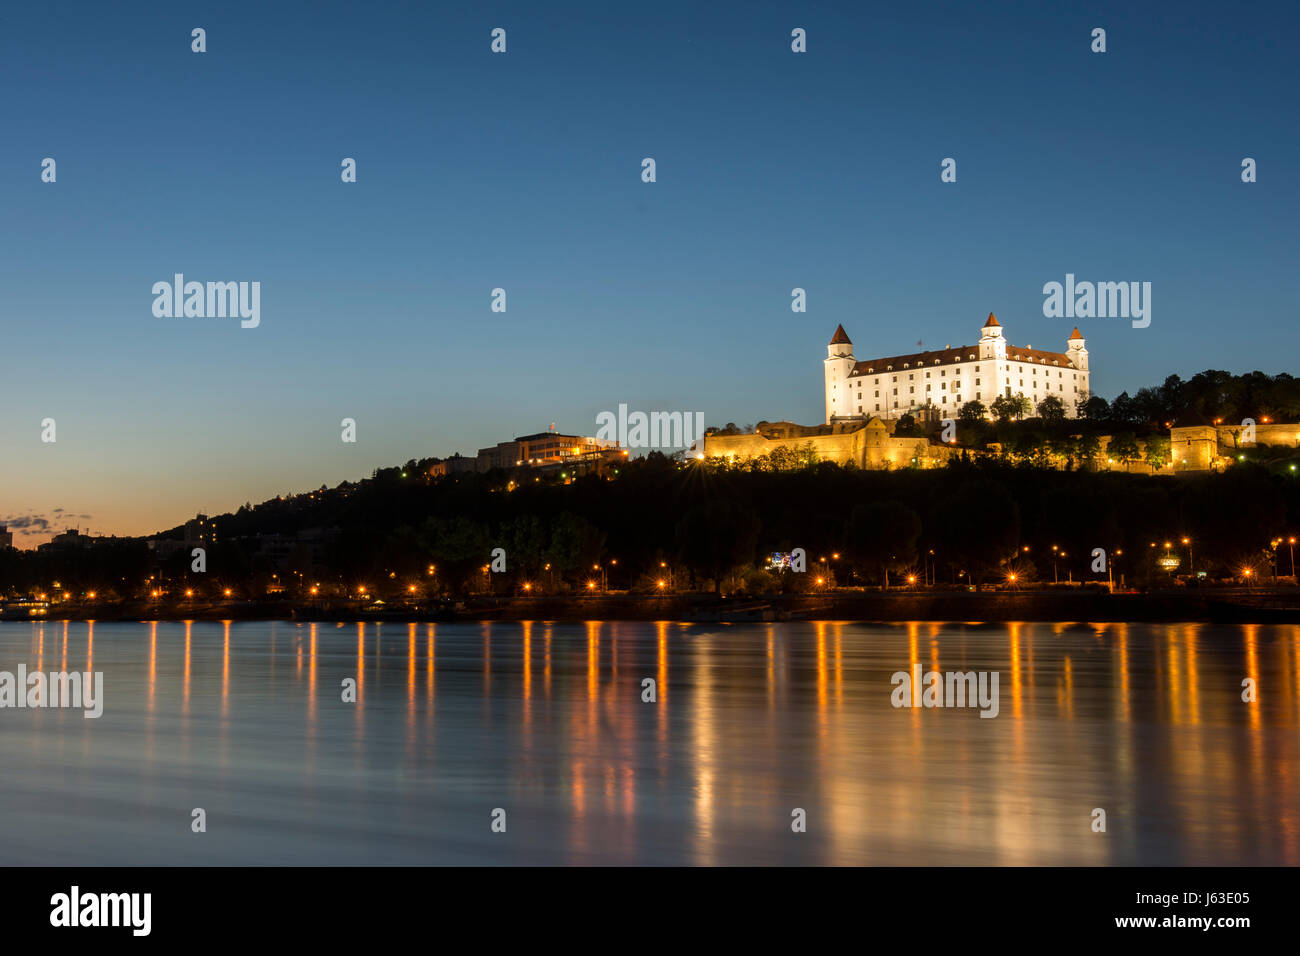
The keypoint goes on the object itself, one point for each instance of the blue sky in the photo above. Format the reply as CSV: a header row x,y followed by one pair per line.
x,y
522,171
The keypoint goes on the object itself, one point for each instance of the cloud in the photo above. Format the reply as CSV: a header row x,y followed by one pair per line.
x,y
21,522
38,524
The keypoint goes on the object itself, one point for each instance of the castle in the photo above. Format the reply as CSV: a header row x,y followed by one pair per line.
x,y
866,400
935,385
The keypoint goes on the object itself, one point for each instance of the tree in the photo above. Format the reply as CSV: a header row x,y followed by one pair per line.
x,y
1124,448
977,527
458,546
1094,408
972,413
1051,410
1157,451
1123,411
907,428
1089,447
575,543
716,536
1004,408
882,535
1064,447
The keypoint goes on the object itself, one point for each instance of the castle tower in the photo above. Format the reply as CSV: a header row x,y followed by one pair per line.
x,y
1078,354
839,363
992,344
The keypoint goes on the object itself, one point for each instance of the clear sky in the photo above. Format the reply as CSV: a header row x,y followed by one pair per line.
x,y
523,171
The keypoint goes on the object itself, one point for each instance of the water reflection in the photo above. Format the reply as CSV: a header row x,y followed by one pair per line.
x,y
748,723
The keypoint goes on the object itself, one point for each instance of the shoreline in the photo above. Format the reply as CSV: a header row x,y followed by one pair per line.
x,y
1279,605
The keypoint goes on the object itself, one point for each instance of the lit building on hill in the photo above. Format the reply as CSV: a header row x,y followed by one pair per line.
x,y
935,385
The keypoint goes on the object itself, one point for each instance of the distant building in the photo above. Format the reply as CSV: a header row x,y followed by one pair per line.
x,y
200,530
70,540
1211,447
6,537
455,465
544,450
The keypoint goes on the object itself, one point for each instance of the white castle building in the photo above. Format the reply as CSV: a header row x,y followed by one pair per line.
x,y
937,384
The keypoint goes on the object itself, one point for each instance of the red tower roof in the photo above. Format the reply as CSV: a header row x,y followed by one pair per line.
x,y
1075,334
840,337
993,320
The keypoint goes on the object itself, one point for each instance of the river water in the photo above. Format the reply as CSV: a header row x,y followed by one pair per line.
x,y
756,731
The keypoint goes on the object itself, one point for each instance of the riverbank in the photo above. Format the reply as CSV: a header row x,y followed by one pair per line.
x,y
1261,605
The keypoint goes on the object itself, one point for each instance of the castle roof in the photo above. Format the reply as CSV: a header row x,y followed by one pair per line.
x,y
840,337
1075,334
964,353
993,320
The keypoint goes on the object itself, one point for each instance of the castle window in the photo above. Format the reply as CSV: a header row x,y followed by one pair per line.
x,y
877,396
911,390
943,373
977,381
927,374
